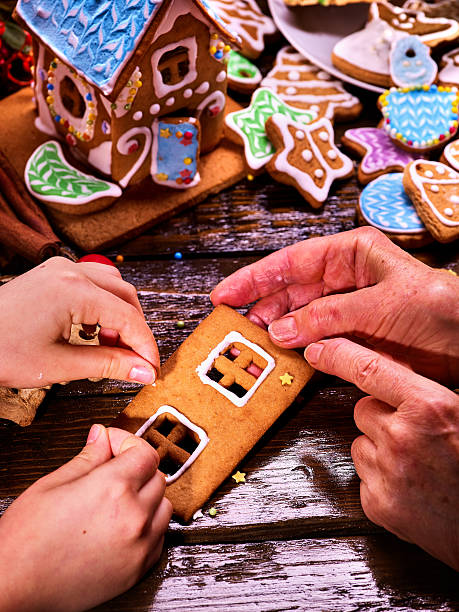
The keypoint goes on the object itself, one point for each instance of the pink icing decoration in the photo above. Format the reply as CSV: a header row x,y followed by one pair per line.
x,y
380,152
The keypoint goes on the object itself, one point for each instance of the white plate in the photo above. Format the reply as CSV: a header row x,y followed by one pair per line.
x,y
315,30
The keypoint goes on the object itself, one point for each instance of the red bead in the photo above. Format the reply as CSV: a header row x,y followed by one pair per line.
x,y
388,120
2,28
95,258
441,137
187,181
409,143
133,147
452,129
188,135
71,140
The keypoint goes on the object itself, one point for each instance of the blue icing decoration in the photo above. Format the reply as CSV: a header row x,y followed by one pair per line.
x,y
96,37
176,154
419,115
385,205
411,64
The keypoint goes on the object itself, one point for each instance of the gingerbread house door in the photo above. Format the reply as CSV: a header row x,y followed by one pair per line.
x,y
175,152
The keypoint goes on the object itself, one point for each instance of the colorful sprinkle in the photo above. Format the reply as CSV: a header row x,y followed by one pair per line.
x,y
178,256
238,477
213,512
286,379
180,324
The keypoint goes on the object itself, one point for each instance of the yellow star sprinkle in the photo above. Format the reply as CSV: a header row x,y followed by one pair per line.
x,y
239,477
165,133
286,379
161,176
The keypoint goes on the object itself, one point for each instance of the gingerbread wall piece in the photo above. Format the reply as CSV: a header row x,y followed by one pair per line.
x,y
227,374
379,153
449,74
302,84
246,19
434,190
306,157
105,73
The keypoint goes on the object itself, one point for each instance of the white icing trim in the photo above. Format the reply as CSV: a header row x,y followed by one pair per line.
x,y
160,88
101,157
217,97
421,180
123,145
451,153
207,364
203,437
450,72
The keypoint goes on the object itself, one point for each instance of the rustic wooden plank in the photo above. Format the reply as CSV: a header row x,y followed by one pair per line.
x,y
346,574
300,477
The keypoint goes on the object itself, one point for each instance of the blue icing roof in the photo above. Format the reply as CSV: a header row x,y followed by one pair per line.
x,y
385,205
97,37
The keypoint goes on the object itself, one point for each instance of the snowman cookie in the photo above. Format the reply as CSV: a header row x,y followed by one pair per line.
x,y
434,190
418,115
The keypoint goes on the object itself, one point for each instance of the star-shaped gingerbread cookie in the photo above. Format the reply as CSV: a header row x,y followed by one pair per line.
x,y
306,157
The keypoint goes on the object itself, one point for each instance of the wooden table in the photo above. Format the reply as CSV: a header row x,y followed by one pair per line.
x,y
294,537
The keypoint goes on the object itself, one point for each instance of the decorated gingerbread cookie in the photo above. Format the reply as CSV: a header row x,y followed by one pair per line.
x,y
380,154
440,8
386,25
55,182
449,73
245,18
434,190
243,75
248,126
304,85
450,155
419,116
322,2
306,157
227,372
384,204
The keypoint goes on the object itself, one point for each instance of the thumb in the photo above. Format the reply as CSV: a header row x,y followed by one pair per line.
x,y
77,362
333,315
375,374
96,452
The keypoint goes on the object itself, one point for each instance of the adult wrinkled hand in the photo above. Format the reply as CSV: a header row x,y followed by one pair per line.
x,y
86,532
359,284
38,310
408,457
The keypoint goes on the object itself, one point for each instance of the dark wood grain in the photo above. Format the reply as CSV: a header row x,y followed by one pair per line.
x,y
345,574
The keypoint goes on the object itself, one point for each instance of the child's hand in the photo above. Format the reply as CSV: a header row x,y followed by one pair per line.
x,y
86,532
37,313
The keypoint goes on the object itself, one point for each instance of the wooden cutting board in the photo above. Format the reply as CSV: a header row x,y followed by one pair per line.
x,y
140,206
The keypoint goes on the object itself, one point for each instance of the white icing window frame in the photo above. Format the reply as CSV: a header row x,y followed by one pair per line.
x,y
220,349
160,88
203,437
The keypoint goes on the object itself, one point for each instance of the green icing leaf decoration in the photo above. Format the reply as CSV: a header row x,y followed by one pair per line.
x,y
51,178
240,68
250,122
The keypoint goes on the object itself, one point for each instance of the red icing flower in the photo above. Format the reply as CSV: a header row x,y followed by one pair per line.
x,y
185,174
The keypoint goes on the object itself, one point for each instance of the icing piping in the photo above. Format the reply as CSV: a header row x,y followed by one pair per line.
x,y
241,70
380,152
50,178
449,74
219,100
101,157
124,145
207,364
451,153
302,177
421,181
385,205
162,89
203,437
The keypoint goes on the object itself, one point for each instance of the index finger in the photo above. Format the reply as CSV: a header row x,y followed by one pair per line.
x,y
340,262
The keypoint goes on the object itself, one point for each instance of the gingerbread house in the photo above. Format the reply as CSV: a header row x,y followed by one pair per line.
x,y
135,87
217,395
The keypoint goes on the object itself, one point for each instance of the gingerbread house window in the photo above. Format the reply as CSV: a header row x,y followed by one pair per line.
x,y
71,98
174,66
176,439
236,368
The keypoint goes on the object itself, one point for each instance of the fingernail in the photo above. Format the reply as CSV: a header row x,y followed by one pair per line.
x,y
142,375
93,434
283,329
312,352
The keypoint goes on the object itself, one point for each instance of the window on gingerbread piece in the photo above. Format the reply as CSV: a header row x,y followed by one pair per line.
x,y
71,98
174,65
236,368
177,441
